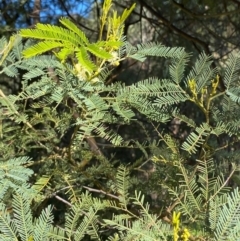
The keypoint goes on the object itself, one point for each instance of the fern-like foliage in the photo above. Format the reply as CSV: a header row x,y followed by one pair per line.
x,y
123,185
21,225
226,217
72,43
145,227
14,175
67,112
202,72
201,194
196,138
154,49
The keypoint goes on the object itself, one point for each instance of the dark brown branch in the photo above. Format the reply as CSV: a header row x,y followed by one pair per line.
x,y
73,19
174,28
36,12
202,15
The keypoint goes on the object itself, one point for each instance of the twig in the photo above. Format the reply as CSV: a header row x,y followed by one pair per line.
x,y
101,191
62,200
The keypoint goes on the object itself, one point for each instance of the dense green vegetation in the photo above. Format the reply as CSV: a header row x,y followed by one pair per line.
x,y
84,156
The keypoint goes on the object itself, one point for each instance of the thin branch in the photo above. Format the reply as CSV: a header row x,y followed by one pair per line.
x,y
36,12
63,200
101,191
204,15
174,28
73,19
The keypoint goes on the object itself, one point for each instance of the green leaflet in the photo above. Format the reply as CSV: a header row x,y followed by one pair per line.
x,y
42,47
84,60
97,51
71,26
